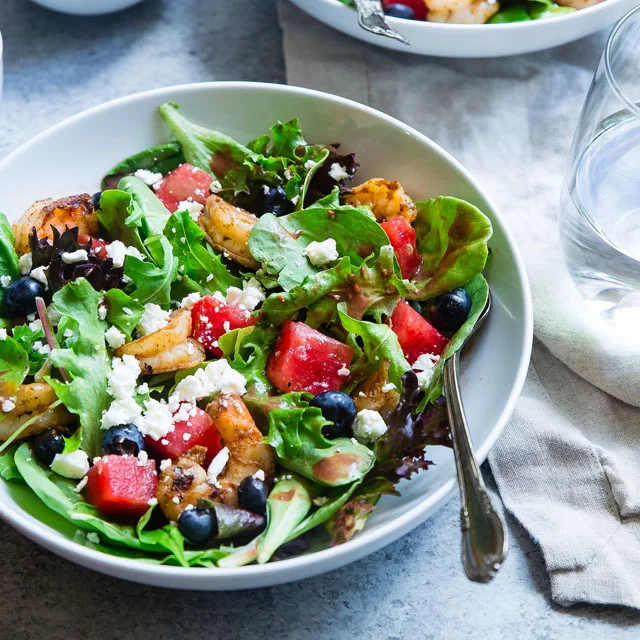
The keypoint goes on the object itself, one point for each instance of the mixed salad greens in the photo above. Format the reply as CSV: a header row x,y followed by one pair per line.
x,y
230,346
479,12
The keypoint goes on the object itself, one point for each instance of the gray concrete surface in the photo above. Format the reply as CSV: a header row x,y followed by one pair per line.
x,y
57,65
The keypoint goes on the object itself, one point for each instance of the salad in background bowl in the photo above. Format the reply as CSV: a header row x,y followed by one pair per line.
x,y
231,348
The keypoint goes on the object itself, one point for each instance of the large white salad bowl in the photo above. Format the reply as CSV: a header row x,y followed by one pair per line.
x,y
71,158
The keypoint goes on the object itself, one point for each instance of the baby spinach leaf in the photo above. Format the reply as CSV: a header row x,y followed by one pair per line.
x,y
162,158
452,238
8,468
123,311
153,214
296,436
379,343
84,359
153,280
204,269
211,151
287,505
247,351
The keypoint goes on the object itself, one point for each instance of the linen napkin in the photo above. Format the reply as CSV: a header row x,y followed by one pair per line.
x,y
567,465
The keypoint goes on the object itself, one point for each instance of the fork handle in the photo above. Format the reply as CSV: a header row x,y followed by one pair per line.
x,y
484,535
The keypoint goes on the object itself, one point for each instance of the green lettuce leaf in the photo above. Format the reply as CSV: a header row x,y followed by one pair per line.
x,y
123,311
296,436
153,214
84,358
162,158
452,238
199,267
153,279
8,255
8,468
247,351
25,337
120,215
14,365
379,343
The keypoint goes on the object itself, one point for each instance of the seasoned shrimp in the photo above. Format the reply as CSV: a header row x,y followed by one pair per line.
x,y
31,400
247,451
183,483
74,211
387,199
373,393
228,228
168,349
461,11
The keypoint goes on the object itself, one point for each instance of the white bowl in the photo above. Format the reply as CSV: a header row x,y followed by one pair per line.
x,y
87,7
474,41
72,156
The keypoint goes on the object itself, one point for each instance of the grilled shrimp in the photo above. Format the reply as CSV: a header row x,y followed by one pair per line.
x,y
247,451
387,199
168,349
371,394
461,11
228,228
33,399
183,483
74,211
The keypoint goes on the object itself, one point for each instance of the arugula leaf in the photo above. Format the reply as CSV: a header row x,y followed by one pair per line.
x,y
84,359
8,255
153,214
452,238
14,366
153,280
296,436
200,268
379,343
162,158
279,243
123,311
209,150
120,215
25,337
478,290
247,351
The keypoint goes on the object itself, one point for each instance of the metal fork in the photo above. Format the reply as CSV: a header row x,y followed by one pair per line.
x,y
371,18
484,536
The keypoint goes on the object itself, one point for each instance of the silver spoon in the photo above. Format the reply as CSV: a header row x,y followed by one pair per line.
x,y
484,536
371,18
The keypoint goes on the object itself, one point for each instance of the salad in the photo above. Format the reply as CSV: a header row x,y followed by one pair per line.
x,y
230,348
479,11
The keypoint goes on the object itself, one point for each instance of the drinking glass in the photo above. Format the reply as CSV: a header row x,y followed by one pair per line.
x,y
600,202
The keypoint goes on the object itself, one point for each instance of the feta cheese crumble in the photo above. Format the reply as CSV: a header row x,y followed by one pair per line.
x,y
153,319
102,312
74,465
190,300
93,537
118,251
321,253
388,387
194,209
157,421
217,466
122,381
39,274
5,281
249,297
71,257
309,164
25,263
3,334
216,377
114,337
8,405
338,172
81,485
344,371
165,464
369,426
424,367
148,177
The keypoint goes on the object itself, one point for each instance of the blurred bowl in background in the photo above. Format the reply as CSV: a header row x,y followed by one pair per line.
x,y
87,7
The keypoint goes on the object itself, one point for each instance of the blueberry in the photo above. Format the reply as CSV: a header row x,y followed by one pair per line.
x,y
20,297
339,408
122,440
252,495
450,310
197,524
46,444
400,11
273,200
96,200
